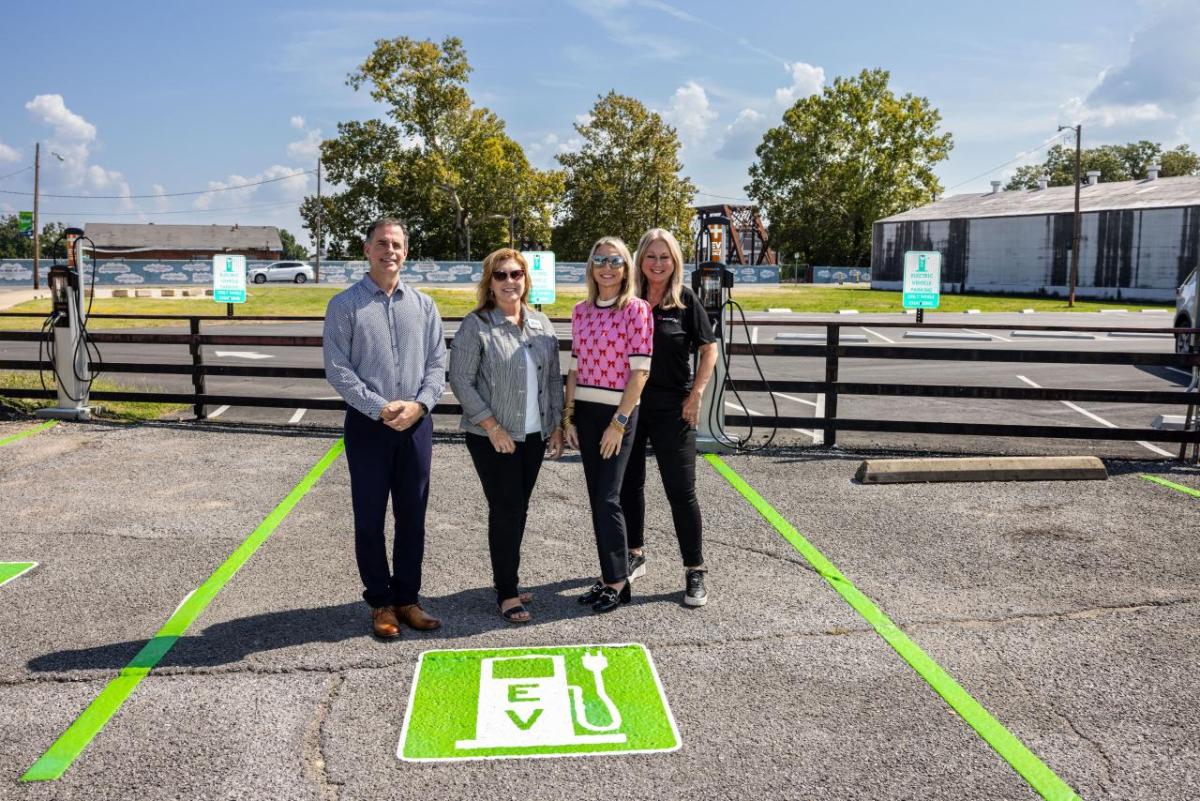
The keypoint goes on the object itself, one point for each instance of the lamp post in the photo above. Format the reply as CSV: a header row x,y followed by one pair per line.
x,y
1074,279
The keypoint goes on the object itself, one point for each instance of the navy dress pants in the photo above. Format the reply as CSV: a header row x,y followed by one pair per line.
x,y
385,462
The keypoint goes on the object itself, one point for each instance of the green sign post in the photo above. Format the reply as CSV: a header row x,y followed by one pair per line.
x,y
536,702
25,223
922,279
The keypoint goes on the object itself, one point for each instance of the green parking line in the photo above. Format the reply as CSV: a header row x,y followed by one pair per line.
x,y
59,756
10,570
1024,761
1173,485
28,433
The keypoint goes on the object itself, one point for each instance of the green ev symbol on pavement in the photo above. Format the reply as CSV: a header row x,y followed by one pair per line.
x,y
536,702
10,570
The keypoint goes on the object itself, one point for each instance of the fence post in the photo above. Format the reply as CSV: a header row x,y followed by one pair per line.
x,y
197,367
832,337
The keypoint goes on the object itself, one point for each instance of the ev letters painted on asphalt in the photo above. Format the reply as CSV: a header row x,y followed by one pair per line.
x,y
536,702
10,570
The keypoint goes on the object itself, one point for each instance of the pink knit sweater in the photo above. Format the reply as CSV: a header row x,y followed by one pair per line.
x,y
607,344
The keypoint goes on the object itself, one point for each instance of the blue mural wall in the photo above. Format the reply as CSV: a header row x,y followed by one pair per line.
x,y
130,272
841,275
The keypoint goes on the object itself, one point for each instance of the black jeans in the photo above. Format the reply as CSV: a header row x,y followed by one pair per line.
x,y
386,462
674,444
604,478
507,480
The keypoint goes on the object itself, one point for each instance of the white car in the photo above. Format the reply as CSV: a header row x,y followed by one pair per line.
x,y
295,271
1185,305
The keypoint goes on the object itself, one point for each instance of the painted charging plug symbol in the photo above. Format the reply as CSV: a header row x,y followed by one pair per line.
x,y
525,701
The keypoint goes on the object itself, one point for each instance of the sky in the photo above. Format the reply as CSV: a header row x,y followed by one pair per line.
x,y
140,107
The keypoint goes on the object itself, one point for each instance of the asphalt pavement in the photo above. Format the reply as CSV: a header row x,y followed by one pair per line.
x,y
1069,610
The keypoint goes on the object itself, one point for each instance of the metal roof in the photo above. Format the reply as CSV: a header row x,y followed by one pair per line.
x,y
150,236
1183,190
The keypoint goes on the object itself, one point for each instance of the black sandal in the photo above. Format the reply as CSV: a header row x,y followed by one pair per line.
x,y
511,614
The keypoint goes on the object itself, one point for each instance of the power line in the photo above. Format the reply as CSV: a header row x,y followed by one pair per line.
x,y
1018,157
165,194
725,197
18,172
159,213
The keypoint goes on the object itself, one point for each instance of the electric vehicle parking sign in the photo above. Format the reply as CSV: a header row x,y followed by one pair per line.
x,y
510,703
229,279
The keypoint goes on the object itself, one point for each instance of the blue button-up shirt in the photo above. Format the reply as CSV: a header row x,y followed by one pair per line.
x,y
379,348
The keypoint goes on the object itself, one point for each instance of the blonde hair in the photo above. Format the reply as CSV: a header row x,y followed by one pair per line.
x,y
484,297
628,280
673,299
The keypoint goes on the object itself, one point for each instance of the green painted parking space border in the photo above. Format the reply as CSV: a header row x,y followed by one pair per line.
x,y
1172,485
1040,777
12,570
9,440
64,751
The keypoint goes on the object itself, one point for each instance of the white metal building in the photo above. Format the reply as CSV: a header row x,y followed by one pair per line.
x,y
1138,239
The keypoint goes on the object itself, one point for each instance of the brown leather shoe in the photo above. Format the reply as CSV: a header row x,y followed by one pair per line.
x,y
384,623
416,617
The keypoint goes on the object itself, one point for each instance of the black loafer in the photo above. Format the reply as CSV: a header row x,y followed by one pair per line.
x,y
592,595
610,599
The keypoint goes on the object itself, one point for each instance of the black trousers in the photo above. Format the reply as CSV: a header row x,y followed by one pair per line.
x,y
674,444
386,462
604,478
507,480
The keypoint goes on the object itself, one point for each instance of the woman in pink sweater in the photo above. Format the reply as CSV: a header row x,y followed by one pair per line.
x,y
612,339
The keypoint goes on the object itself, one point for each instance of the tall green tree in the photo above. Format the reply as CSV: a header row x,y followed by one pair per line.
x,y
15,245
1115,162
439,161
292,249
842,159
624,179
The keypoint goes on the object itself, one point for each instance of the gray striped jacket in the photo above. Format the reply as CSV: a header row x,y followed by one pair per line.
x,y
487,371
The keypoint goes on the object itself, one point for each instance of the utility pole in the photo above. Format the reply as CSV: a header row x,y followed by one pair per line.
x,y
1075,234
320,211
37,230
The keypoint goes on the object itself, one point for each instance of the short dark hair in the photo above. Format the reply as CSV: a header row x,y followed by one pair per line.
x,y
388,221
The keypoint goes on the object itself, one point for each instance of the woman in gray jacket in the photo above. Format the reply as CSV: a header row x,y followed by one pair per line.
x,y
504,370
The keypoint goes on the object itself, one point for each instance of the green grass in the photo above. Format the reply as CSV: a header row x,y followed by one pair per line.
x,y
110,410
311,301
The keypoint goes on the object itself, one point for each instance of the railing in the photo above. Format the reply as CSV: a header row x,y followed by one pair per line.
x,y
833,352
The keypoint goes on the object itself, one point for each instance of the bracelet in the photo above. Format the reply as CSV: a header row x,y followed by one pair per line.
x,y
620,428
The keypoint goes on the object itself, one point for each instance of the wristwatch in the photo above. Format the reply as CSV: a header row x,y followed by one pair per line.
x,y
424,408
623,419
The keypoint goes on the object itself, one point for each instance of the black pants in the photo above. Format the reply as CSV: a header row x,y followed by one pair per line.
x,y
674,444
386,462
604,478
507,480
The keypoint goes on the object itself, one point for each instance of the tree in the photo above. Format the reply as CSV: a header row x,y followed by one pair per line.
x,y
624,179
15,245
1115,162
842,159
291,249
441,163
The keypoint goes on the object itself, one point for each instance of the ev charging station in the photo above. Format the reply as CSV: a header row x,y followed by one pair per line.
x,y
68,319
712,282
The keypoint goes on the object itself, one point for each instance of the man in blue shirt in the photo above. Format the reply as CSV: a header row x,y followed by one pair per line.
x,y
385,355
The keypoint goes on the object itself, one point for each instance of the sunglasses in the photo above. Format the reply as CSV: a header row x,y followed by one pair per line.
x,y
500,275
615,261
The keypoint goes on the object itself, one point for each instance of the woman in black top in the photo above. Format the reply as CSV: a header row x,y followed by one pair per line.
x,y
670,407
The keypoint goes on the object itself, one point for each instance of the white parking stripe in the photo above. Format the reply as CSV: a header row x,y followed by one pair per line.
x,y
987,334
220,411
1101,420
753,413
297,416
795,399
881,336
754,335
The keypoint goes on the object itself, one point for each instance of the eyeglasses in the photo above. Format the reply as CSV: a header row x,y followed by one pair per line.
x,y
500,275
615,261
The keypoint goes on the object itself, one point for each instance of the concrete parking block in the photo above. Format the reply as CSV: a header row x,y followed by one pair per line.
x,y
1053,334
1007,468
938,334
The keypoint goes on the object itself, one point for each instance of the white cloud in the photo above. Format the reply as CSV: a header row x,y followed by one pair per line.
x,y
71,143
307,149
68,126
161,203
742,135
1112,115
690,112
297,122
806,80
292,188
8,154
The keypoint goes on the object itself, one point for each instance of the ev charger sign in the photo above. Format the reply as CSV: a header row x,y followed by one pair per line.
x,y
513,703
922,279
229,279
541,275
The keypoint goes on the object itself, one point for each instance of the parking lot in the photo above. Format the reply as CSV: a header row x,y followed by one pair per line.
x,y
1067,611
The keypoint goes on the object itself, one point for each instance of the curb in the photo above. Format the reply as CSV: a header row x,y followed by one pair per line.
x,y
1004,468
